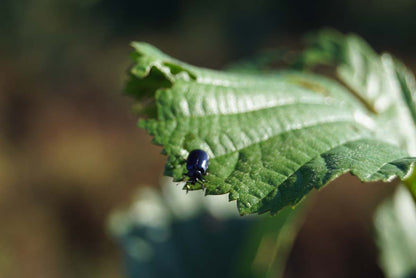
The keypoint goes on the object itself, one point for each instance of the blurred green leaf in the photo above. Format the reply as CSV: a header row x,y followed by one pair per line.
x,y
381,82
173,234
271,137
395,222
387,89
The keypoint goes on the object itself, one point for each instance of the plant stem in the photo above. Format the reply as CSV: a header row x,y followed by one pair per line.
x,y
410,183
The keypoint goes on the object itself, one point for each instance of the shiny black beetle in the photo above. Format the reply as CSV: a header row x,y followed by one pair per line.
x,y
197,165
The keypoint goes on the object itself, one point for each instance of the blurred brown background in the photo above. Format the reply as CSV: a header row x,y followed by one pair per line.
x,y
70,150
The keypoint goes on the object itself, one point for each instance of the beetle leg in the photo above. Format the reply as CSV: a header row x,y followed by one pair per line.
x,y
202,185
187,187
200,180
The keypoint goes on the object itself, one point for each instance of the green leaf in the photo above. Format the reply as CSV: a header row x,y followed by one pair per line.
x,y
395,222
381,82
271,138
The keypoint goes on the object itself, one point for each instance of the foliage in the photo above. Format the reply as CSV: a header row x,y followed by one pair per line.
x,y
178,235
273,137
395,223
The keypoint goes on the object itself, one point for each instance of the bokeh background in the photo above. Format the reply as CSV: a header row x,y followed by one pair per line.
x,y
70,151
